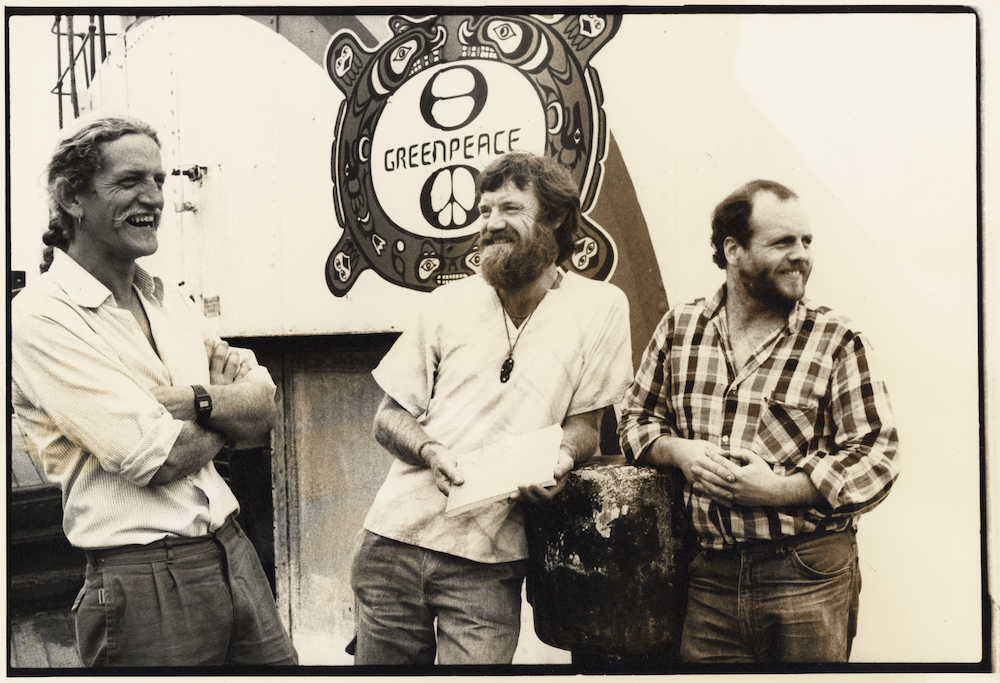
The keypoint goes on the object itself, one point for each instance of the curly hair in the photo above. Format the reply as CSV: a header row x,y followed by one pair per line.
x,y
558,196
78,158
732,216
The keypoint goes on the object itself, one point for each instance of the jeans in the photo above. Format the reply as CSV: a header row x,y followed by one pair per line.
x,y
400,590
180,602
786,601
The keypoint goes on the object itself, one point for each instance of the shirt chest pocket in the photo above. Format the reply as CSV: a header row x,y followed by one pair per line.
x,y
785,431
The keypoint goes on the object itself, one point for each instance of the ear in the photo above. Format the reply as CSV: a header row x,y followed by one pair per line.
x,y
731,248
556,224
68,198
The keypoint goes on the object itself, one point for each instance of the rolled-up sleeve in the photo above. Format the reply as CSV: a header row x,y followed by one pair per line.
x,y
646,413
861,463
77,385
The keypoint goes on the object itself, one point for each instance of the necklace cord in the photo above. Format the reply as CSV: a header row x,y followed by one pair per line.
x,y
508,364
506,328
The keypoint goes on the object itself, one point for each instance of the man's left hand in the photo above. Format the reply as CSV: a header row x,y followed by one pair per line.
x,y
536,493
226,364
754,482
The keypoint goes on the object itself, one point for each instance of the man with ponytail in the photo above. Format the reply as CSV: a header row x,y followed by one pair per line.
x,y
126,398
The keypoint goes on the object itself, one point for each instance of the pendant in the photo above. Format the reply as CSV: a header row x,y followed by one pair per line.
x,y
505,369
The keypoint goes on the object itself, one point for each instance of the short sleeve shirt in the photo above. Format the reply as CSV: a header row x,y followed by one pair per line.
x,y
572,356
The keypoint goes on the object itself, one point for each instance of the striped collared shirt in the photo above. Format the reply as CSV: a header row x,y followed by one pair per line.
x,y
81,372
808,400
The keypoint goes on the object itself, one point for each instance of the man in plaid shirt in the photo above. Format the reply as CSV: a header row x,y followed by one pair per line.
x,y
775,412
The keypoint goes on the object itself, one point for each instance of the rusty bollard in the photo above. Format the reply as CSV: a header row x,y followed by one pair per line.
x,y
607,564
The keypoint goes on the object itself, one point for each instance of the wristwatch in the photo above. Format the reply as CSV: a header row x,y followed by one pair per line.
x,y
202,405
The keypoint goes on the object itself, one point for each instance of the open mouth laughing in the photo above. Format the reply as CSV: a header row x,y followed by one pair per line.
x,y
500,237
142,220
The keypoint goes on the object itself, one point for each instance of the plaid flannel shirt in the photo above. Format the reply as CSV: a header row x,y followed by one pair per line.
x,y
808,400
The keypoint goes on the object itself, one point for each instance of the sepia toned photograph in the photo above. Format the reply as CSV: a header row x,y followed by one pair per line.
x,y
483,341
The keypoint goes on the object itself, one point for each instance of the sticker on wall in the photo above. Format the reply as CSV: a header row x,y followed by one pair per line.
x,y
427,110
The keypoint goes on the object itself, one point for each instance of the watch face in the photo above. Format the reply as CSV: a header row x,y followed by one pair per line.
x,y
202,403
431,107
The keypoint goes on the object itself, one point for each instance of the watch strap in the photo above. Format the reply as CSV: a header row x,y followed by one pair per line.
x,y
202,405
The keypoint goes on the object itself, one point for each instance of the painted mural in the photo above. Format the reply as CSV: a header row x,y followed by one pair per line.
x,y
434,104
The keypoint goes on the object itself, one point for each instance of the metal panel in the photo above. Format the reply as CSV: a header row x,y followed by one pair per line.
x,y
334,469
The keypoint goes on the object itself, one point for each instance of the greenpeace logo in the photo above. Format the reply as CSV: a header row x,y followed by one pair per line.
x,y
468,147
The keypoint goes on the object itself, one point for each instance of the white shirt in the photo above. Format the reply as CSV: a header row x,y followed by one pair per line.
x,y
81,373
572,356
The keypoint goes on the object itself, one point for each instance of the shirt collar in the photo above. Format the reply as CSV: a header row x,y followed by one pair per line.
x,y
87,291
150,286
716,305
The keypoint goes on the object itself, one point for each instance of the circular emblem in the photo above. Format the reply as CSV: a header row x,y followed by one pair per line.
x,y
437,102
434,134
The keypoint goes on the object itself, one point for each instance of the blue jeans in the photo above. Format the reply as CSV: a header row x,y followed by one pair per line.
x,y
790,601
183,602
400,590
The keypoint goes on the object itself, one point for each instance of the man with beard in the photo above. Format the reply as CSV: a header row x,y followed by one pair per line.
x,y
126,397
516,349
775,413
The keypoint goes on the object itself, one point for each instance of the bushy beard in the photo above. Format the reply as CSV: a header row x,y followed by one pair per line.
x,y
518,263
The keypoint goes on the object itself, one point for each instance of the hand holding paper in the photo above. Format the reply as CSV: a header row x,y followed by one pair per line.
x,y
498,470
537,493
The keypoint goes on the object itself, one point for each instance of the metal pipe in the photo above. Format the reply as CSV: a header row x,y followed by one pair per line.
x,y
59,74
82,54
72,67
104,36
92,34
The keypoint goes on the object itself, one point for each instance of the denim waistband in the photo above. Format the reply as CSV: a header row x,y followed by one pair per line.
x,y
775,547
163,550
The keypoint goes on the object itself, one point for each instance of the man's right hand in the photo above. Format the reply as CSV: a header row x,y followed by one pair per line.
x,y
444,466
703,463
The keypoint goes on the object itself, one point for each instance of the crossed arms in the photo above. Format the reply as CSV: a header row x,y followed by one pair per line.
x,y
242,409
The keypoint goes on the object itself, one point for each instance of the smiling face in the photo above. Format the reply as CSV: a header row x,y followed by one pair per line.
x,y
121,209
515,248
775,265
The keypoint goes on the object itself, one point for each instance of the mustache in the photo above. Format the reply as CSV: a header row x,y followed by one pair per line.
x,y
500,236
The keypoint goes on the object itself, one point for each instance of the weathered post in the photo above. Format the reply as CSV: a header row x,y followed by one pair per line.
x,y
607,567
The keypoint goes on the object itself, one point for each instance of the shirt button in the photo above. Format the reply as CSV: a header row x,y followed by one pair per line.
x,y
725,441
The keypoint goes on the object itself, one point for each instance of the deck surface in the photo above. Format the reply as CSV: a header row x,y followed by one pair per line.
x,y
44,640
40,640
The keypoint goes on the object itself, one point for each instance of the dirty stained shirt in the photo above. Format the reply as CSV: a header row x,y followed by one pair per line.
x,y
572,356
809,399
